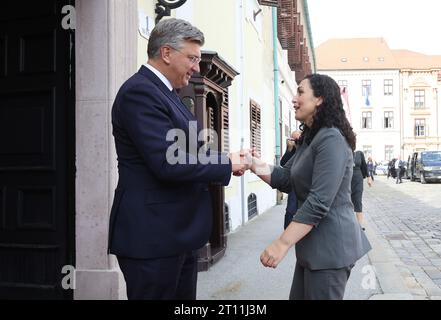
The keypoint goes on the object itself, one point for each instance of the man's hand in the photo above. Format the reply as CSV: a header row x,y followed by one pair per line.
x,y
291,142
241,161
296,135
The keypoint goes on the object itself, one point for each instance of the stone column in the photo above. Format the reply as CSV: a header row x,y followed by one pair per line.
x,y
106,55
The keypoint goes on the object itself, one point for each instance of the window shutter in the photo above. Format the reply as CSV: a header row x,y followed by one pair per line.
x,y
211,118
225,124
255,126
295,51
269,3
286,20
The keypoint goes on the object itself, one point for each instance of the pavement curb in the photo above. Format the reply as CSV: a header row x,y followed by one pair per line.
x,y
385,262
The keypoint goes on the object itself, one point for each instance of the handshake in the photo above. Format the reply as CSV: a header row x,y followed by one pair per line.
x,y
245,159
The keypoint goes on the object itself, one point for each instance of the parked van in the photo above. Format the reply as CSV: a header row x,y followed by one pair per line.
x,y
426,166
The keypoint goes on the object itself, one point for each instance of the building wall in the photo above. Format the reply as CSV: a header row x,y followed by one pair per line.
x,y
240,40
306,35
425,80
288,89
105,52
378,137
146,11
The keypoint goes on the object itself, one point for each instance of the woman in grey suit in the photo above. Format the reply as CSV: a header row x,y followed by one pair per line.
x,y
326,234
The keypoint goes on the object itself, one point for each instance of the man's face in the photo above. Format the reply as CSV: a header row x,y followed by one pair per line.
x,y
184,62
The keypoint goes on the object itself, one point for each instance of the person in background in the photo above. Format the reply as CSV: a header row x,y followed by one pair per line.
x,y
399,169
391,172
371,168
291,206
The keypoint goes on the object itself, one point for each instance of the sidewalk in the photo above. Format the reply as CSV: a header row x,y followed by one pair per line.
x,y
239,275
385,262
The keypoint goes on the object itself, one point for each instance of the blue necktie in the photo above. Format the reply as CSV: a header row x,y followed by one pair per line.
x,y
176,97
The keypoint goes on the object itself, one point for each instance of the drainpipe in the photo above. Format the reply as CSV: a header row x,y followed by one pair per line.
x,y
401,114
242,108
308,27
276,85
276,93
437,120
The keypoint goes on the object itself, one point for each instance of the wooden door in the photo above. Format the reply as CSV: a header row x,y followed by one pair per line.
x,y
36,150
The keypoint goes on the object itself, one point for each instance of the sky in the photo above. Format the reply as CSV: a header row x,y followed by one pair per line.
x,y
405,24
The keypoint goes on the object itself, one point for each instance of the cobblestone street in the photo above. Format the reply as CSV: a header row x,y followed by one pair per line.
x,y
408,217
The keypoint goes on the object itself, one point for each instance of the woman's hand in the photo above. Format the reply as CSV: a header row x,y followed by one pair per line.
x,y
254,153
274,253
369,181
241,161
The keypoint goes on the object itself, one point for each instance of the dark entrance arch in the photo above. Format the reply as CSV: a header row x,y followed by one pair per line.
x,y
37,141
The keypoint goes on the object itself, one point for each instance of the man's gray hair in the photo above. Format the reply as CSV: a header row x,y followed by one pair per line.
x,y
173,32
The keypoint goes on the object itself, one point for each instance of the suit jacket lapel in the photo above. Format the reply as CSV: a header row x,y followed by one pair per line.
x,y
170,95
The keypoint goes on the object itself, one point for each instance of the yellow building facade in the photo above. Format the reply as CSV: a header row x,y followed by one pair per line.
x,y
60,78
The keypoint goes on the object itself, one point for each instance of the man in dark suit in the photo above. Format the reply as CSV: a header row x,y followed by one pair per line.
x,y
161,212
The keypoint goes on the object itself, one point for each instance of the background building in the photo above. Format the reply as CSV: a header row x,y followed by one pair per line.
x,y
392,94
420,82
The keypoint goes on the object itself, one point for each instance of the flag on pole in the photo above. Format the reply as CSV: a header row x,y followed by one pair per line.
x,y
367,102
345,100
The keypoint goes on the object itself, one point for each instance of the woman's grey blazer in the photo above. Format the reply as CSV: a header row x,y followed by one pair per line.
x,y
320,174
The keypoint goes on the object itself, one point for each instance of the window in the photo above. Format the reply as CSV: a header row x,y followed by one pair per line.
x,y
388,87
225,125
388,152
367,150
269,3
366,87
255,124
420,127
343,83
366,121
227,218
252,206
420,96
388,119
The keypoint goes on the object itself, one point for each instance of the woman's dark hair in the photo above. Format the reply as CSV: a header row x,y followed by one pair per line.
x,y
330,113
